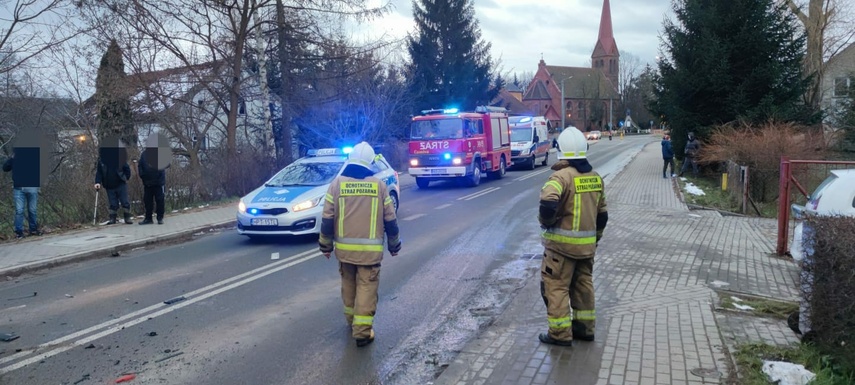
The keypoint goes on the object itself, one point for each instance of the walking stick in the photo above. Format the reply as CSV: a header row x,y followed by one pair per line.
x,y
95,215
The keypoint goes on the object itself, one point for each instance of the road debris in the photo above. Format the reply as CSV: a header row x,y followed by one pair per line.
x,y
90,346
69,296
35,293
787,373
8,337
174,300
169,357
84,378
126,378
152,334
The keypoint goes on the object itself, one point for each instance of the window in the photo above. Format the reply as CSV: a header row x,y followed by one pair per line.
x,y
842,86
580,106
569,106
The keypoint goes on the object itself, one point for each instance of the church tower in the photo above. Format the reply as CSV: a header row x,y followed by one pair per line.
x,y
606,56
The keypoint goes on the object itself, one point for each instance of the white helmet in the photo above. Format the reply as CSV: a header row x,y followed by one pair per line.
x,y
572,144
362,155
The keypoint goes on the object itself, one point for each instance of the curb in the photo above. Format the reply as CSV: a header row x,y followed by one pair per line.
x,y
109,251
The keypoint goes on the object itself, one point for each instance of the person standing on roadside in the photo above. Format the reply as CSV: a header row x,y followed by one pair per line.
x,y
668,157
152,171
573,217
29,167
112,172
693,147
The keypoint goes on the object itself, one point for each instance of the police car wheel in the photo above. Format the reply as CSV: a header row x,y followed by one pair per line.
x,y
394,197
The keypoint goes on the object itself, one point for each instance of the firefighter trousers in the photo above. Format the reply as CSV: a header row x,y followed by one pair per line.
x,y
568,283
359,286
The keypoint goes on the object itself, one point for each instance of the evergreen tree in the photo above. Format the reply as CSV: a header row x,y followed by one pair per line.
x,y
450,63
112,98
730,60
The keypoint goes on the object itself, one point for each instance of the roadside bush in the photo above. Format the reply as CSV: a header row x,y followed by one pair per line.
x,y
760,147
67,198
832,298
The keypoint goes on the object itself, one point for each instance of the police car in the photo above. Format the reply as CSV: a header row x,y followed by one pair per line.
x,y
292,202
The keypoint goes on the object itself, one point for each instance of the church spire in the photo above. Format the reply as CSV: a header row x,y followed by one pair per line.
x,y
606,56
606,45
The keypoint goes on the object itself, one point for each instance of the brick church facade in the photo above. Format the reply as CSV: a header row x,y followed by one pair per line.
x,y
590,94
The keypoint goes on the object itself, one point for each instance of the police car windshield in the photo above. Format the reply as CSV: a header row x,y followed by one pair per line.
x,y
306,174
437,129
521,134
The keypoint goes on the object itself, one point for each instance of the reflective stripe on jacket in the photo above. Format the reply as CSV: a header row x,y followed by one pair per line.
x,y
580,197
359,208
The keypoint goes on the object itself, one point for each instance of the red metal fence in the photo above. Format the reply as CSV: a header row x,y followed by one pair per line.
x,y
805,176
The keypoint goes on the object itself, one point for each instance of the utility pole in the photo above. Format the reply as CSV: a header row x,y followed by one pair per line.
x,y
563,104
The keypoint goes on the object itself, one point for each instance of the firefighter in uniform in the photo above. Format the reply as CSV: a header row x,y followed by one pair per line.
x,y
357,213
573,216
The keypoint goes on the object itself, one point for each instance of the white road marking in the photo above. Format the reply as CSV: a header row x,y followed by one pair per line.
x,y
479,194
508,183
412,217
440,207
14,307
112,327
274,256
532,175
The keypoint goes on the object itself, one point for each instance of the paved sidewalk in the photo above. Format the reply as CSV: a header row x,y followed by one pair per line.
x,y
100,241
654,276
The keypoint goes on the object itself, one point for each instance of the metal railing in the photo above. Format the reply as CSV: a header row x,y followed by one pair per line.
x,y
805,176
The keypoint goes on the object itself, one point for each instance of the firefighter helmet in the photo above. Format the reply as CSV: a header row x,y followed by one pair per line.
x,y
572,144
362,155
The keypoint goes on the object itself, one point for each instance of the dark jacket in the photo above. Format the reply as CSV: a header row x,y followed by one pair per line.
x,y
667,151
25,172
150,174
112,176
693,146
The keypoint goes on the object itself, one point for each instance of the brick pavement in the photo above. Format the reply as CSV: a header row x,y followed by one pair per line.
x,y
654,276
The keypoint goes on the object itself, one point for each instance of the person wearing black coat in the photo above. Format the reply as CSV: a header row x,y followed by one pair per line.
x,y
153,176
112,172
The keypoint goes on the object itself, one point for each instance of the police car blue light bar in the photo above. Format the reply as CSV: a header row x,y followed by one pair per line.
x,y
447,156
330,151
450,111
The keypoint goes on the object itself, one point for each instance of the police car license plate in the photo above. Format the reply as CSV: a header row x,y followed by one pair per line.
x,y
438,171
264,222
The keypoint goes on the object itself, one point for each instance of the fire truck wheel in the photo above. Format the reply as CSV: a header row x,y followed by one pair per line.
x,y
501,173
475,179
422,183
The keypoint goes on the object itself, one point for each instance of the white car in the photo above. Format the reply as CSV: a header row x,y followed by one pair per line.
x,y
292,202
835,196
594,135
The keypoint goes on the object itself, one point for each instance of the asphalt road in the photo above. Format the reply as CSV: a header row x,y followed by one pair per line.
x,y
270,312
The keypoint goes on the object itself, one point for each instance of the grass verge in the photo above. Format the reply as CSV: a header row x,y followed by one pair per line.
x,y
762,307
749,358
714,196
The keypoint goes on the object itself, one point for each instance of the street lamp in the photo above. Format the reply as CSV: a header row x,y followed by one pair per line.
x,y
563,103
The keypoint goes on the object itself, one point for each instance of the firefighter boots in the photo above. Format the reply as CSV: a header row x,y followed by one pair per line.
x,y
128,220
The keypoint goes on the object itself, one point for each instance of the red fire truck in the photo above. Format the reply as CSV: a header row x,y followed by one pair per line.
x,y
446,144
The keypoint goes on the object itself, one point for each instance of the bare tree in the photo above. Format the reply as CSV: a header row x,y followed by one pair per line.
x,y
28,28
630,65
828,26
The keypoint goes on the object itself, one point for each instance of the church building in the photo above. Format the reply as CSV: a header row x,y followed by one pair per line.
x,y
590,94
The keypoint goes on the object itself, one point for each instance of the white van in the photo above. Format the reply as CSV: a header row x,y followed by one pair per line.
x,y
529,141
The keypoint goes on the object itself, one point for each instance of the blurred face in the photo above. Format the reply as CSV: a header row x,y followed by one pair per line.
x,y
158,153
113,152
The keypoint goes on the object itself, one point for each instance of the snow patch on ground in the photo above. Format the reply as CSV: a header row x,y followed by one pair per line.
x,y
742,307
787,373
694,190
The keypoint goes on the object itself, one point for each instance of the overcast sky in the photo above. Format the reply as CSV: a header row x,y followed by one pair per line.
x,y
564,31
